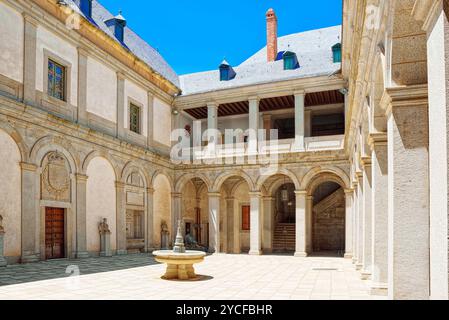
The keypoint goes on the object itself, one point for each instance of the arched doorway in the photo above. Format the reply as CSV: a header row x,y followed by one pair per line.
x,y
328,219
284,218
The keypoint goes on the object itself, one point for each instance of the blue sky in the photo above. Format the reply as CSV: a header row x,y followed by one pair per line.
x,y
195,35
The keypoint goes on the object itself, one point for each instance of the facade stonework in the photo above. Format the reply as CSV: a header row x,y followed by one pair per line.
x,y
359,169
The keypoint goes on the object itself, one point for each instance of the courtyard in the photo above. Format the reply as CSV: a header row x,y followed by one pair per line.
x,y
224,277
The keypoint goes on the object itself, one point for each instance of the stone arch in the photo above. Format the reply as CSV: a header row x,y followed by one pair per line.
x,y
283,171
158,172
162,209
234,173
132,167
331,172
189,176
101,197
16,136
101,154
48,144
10,195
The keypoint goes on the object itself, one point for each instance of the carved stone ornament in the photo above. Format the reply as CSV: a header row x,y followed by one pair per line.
x,y
2,230
56,176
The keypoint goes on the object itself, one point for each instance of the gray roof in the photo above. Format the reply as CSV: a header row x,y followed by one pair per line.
x,y
133,42
313,49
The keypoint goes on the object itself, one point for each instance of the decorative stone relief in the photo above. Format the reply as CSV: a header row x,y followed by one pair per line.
x,y
55,178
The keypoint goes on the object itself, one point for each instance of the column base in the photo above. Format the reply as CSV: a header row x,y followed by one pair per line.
x,y
378,289
255,252
122,252
348,256
3,262
82,255
365,275
301,254
354,260
106,254
358,266
30,258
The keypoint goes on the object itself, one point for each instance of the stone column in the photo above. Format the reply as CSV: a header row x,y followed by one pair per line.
x,y
150,122
176,213
435,15
81,217
367,219
230,224
121,218
301,250
214,222
268,225
349,193
30,63
359,242
255,236
121,105
82,86
355,231
309,224
237,217
379,203
149,241
299,120
308,123
212,121
267,125
253,123
30,213
408,201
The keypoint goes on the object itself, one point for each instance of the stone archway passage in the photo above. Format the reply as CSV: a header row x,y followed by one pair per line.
x,y
328,219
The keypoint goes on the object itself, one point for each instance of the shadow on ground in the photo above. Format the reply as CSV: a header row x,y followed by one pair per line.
x,y
53,269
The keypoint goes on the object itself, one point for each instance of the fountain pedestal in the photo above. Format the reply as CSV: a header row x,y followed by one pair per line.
x,y
179,261
179,265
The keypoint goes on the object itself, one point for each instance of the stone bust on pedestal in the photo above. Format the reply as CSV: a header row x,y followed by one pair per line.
x,y
105,239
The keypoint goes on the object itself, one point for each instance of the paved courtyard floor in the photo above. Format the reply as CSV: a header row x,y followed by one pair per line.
x,y
231,277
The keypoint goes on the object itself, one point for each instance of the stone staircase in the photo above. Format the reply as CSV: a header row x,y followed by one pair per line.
x,y
284,237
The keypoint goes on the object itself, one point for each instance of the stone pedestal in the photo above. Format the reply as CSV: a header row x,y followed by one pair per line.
x,y
256,224
105,245
2,258
300,247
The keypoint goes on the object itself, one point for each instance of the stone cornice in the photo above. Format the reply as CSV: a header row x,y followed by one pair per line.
x,y
427,11
407,96
268,90
103,41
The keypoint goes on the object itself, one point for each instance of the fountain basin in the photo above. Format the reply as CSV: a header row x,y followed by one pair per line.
x,y
179,265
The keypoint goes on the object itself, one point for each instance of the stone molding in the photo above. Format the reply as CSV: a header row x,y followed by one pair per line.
x,y
427,11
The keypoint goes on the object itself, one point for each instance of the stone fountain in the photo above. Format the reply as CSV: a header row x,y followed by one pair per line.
x,y
179,260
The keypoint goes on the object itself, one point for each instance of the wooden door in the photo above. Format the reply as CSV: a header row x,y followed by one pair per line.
x,y
246,218
54,233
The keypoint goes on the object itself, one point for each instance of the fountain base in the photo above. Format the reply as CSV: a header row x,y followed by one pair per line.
x,y
179,265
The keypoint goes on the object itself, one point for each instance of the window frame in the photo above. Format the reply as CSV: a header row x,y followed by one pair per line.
x,y
131,106
136,103
53,84
66,102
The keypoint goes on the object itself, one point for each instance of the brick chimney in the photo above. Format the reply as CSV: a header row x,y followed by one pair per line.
x,y
272,35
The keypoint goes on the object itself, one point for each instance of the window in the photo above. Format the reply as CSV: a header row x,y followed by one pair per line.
x,y
336,51
226,71
290,61
246,218
134,118
56,80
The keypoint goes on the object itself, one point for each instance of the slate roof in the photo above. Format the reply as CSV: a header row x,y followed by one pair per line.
x,y
133,42
313,49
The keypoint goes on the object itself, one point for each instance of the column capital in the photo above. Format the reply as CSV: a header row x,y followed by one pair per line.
x,y
255,194
365,162
299,92
30,19
230,198
377,138
269,198
28,166
120,185
81,177
212,104
150,190
82,51
301,192
254,98
349,191
120,75
214,194
176,194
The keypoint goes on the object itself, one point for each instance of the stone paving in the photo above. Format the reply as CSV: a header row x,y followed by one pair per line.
x,y
227,277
